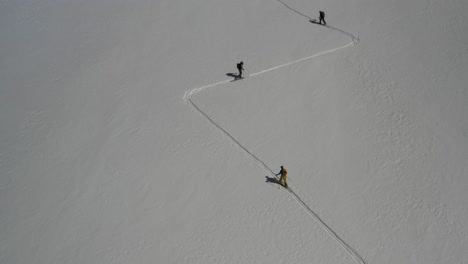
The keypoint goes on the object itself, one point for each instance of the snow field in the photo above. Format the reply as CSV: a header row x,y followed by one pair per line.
x,y
102,162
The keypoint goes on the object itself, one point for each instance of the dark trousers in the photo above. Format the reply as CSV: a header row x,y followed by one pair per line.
x,y
322,19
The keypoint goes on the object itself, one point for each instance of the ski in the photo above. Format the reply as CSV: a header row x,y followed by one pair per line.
x,y
237,79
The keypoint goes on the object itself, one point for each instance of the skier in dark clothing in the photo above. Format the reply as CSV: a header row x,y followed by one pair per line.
x,y
283,181
240,68
322,17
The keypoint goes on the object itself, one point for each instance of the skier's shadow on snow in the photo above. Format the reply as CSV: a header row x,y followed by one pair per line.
x,y
271,180
316,22
230,74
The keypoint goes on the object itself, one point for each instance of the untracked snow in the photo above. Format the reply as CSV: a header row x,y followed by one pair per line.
x,y
124,140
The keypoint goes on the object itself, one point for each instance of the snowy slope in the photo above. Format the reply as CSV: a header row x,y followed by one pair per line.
x,y
122,139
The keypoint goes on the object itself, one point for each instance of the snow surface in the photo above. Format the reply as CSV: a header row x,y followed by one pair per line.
x,y
123,140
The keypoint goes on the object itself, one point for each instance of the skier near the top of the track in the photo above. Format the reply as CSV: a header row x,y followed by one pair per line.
x,y
283,181
240,68
322,17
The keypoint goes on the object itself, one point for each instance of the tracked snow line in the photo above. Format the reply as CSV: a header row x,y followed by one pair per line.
x,y
316,217
328,229
259,161
188,94
303,59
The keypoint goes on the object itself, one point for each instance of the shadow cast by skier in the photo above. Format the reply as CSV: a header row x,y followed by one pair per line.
x,y
271,180
230,74
314,21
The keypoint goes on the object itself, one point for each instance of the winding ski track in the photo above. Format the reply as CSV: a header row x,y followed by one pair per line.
x,y
188,95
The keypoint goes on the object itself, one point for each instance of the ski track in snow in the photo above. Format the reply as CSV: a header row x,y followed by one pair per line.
x,y
187,98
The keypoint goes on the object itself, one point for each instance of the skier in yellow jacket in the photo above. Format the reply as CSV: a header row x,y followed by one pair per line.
x,y
283,181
